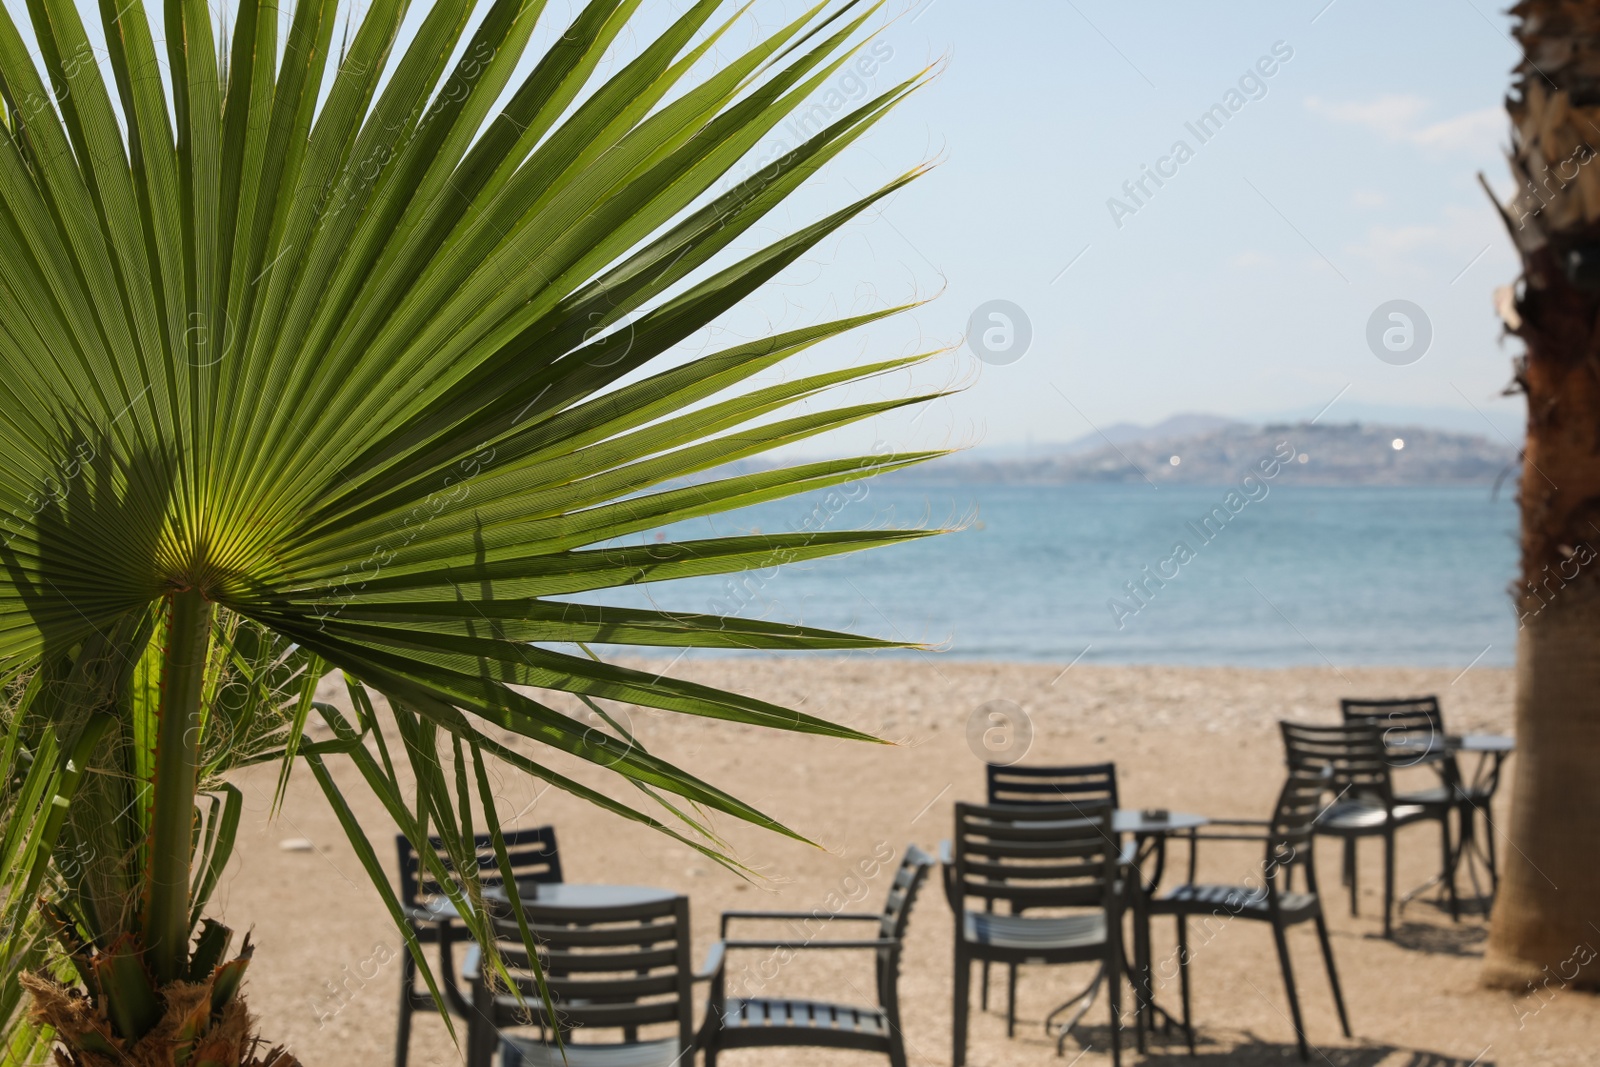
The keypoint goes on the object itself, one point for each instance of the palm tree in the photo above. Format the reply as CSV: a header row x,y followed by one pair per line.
x,y
318,362
1552,876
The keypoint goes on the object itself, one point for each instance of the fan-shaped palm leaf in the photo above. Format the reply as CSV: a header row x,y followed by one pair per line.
x,y
313,361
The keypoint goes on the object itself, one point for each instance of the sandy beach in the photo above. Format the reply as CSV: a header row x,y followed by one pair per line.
x,y
1190,739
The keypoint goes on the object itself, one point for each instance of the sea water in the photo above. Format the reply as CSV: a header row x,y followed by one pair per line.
x,y
1130,573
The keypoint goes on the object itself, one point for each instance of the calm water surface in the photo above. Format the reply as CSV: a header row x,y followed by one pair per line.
x,y
1300,576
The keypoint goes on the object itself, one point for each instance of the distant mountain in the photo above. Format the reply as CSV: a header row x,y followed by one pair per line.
x,y
1499,419
1184,424
1309,454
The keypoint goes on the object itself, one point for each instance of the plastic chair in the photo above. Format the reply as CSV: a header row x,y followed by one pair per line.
x,y
620,974
1418,724
1058,857
1287,840
434,920
1356,767
1032,787
768,1022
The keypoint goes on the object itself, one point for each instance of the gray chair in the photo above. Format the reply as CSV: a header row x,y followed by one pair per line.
x,y
433,919
1287,838
1414,728
1031,787
619,979
1357,771
1062,858
770,1021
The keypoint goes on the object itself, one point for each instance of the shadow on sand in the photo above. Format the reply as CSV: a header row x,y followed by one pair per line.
x,y
1251,1051
1244,1049
1463,940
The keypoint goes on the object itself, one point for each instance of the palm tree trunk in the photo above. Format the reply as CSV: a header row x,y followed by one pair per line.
x,y
1542,920
1544,915
166,920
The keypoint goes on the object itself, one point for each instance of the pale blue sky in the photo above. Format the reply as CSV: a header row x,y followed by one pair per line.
x,y
1242,286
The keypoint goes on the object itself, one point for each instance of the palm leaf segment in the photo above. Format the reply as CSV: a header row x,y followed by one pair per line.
x,y
348,377
357,350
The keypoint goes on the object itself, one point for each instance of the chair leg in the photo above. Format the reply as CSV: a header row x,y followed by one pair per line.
x,y
1114,997
897,1048
1448,871
402,1037
483,1031
1288,987
1333,973
1011,1000
1183,979
1350,872
706,1039
958,1013
1488,841
1388,884
983,991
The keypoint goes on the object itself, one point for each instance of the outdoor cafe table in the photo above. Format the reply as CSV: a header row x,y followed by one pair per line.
x,y
1491,750
1149,829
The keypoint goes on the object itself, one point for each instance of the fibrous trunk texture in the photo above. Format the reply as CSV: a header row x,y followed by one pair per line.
x,y
1543,927
190,1033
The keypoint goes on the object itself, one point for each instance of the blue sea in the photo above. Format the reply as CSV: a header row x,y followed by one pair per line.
x,y
1344,576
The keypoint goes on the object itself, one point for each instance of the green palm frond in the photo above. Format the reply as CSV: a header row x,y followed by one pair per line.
x,y
345,362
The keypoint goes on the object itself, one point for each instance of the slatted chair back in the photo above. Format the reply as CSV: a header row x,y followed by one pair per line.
x,y
908,879
616,975
532,852
903,892
1289,833
1032,786
1413,719
1351,758
1062,855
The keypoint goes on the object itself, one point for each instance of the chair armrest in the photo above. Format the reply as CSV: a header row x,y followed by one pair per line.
x,y
947,868
882,942
1197,834
849,916
713,965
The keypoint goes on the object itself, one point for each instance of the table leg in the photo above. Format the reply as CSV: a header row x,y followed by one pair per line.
x,y
1139,970
1087,996
1141,955
1485,782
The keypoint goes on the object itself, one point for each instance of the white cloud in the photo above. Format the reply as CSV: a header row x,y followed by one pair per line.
x,y
1399,118
1369,198
1472,130
1393,115
1438,250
